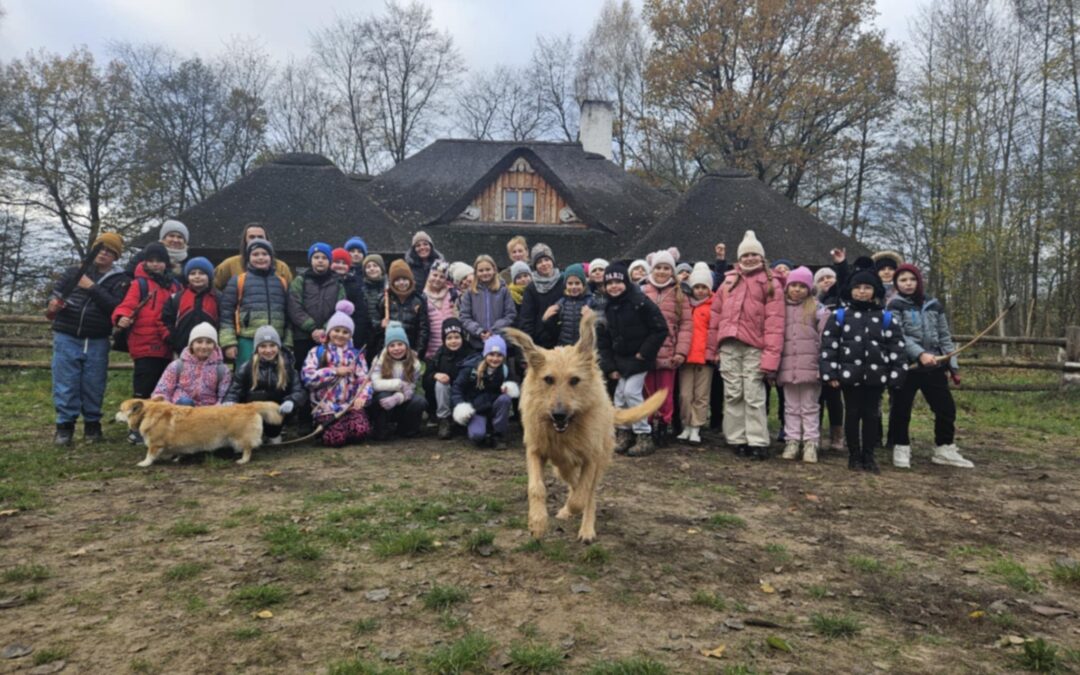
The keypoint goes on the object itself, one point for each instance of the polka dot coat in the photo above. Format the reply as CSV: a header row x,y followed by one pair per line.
x,y
863,351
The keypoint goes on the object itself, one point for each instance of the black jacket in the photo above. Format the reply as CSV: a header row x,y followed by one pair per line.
x,y
633,325
446,361
266,389
88,313
412,313
480,396
565,326
862,351
530,317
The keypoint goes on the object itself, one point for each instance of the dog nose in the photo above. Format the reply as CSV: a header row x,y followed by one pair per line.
x,y
559,416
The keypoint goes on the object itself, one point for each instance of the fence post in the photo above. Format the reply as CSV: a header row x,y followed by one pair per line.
x,y
1072,355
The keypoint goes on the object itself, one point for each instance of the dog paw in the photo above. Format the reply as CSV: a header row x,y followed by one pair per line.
x,y
564,513
243,460
538,527
145,463
586,537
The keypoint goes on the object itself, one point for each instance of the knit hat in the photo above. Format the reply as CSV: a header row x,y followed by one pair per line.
x,y
800,275
459,271
576,270
170,226
319,247
110,241
518,268
156,251
616,272
666,257
701,275
399,269
342,317
634,265
822,273
598,262
377,259
920,292
395,332
495,344
356,242
203,330
260,243
867,277
863,262
452,325
340,255
684,267
199,263
887,259
422,236
539,251
750,244
266,333
782,261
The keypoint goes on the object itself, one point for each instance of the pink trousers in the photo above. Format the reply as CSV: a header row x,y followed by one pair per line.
x,y
655,380
801,421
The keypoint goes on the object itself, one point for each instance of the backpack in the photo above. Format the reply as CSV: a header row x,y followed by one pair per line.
x,y
886,321
240,295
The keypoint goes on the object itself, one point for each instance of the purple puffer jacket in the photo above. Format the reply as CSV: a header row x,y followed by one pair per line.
x,y
800,359
204,382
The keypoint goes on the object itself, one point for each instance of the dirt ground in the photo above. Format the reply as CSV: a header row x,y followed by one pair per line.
x,y
130,570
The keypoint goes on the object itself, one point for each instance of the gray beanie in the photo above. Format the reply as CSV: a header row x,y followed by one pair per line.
x,y
266,334
170,226
518,268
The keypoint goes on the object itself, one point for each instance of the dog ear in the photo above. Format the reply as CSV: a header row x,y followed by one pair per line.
x,y
137,407
533,354
586,344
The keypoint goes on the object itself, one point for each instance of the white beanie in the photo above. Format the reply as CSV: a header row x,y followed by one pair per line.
x,y
459,271
598,263
750,244
173,226
639,263
701,275
663,257
203,330
822,273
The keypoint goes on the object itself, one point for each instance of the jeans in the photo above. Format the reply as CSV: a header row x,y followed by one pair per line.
x,y
500,420
934,385
79,372
833,401
629,392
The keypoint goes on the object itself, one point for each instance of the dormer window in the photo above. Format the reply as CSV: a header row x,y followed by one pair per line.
x,y
519,205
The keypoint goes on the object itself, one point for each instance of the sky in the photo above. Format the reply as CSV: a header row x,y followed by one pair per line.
x,y
488,32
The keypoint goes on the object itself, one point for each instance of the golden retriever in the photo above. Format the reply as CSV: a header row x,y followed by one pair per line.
x,y
181,430
570,421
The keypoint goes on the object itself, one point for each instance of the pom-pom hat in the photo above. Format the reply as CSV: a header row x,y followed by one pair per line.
x,y
342,317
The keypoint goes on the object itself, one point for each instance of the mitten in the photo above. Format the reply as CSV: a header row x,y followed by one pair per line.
x,y
389,402
286,408
955,377
185,400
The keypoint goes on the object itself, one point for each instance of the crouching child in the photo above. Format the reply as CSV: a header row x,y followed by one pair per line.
x,y
268,376
336,376
394,376
441,371
482,395
198,376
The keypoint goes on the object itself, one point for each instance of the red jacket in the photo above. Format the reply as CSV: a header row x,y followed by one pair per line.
x,y
679,322
700,338
742,309
147,337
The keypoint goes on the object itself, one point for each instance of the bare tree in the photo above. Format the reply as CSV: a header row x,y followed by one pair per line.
x,y
553,77
479,101
302,110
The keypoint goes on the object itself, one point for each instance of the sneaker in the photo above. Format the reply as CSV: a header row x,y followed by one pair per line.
x,y
135,438
742,450
643,446
949,455
901,456
624,438
695,436
274,440
446,429
65,433
791,450
809,452
685,435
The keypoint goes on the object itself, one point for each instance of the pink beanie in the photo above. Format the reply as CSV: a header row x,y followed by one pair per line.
x,y
342,318
800,275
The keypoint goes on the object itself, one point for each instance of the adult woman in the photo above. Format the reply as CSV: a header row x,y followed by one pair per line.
x,y
421,256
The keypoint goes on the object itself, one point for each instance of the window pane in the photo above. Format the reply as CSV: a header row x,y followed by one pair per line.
x,y
528,205
510,201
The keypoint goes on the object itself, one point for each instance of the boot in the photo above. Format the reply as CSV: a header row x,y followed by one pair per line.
x,y
743,450
837,434
825,442
135,438
499,442
695,436
624,438
901,456
274,440
685,435
661,435
949,455
760,453
65,433
92,432
869,461
446,429
854,458
791,450
809,452
642,447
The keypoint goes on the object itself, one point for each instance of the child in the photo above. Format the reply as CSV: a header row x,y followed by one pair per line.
x,y
520,277
406,305
682,275
336,375
487,307
394,376
544,291
663,288
441,305
926,337
357,249
561,321
886,264
628,340
441,370
373,289
597,298
695,376
268,376
197,303
639,269
313,296
746,334
827,291
198,376
781,267
862,352
799,374
461,274
256,297
482,393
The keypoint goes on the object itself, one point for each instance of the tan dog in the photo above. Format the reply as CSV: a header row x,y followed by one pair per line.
x,y
182,430
570,421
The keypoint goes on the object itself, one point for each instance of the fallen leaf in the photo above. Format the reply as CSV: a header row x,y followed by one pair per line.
x,y
717,653
778,643
580,588
977,614
692,531
1050,611
8,512
273,474
812,497
264,614
436,456
766,587
77,553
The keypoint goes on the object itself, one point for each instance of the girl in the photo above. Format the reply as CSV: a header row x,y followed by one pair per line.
x,y
861,353
746,334
441,305
420,257
461,275
254,298
404,304
804,320
562,321
628,340
827,292
336,375
597,299
521,277
198,376
487,308
441,370
544,291
886,264
639,269
394,376
695,376
268,376
663,288
197,303
482,392
926,337
373,289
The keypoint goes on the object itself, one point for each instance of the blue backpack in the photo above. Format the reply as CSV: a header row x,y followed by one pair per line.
x,y
886,321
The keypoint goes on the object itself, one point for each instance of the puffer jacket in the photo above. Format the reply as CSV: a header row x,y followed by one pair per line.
x,y
332,393
565,324
263,302
926,329
373,295
533,305
188,309
743,310
412,313
632,325
312,298
397,382
485,309
701,311
800,360
88,313
480,395
266,385
680,322
203,382
438,311
863,351
147,337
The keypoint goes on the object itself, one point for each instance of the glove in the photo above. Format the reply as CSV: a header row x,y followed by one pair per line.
x,y
286,407
955,377
389,402
185,400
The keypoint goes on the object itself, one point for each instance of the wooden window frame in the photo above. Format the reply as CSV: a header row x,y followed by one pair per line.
x,y
518,208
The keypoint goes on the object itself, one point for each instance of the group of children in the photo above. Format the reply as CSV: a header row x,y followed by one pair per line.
x,y
832,341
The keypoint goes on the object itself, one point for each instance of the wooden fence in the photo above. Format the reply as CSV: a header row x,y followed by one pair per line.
x,y
33,334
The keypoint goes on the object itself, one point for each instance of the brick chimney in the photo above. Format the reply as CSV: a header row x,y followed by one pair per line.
x,y
597,118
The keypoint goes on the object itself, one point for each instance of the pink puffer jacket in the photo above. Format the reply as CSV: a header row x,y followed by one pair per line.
x,y
801,357
745,312
680,323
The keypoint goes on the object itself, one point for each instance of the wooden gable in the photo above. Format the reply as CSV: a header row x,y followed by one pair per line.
x,y
550,207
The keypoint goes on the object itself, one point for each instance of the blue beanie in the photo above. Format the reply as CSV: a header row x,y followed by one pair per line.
x,y
782,261
495,344
199,263
356,242
319,247
395,332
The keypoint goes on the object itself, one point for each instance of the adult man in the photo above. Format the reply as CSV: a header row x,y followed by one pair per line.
x,y
235,265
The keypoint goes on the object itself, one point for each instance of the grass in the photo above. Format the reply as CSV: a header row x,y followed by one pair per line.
x,y
817,592
35,594
710,600
405,543
443,597
27,572
248,633
725,521
865,564
1040,656
1013,575
835,626
480,539
290,541
554,551
361,626
50,654
359,666
258,596
188,528
778,552
596,555
467,654
184,571
638,665
1066,573
535,658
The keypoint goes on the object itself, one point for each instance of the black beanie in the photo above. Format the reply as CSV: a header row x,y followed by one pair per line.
x,y
885,261
156,251
452,325
863,262
616,272
869,278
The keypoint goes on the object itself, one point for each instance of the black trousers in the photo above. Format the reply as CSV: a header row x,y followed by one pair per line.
x,y
145,375
863,406
934,385
408,416
301,348
833,401
716,403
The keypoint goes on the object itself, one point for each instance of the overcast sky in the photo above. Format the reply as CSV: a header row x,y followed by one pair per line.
x,y
486,31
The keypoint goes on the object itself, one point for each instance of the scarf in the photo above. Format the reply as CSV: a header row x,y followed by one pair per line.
x,y
662,286
753,268
177,255
545,284
517,293
437,299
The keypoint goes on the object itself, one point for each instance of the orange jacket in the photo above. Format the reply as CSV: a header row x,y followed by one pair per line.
x,y
700,338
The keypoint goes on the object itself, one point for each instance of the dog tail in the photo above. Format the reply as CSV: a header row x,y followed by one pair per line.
x,y
268,411
639,412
